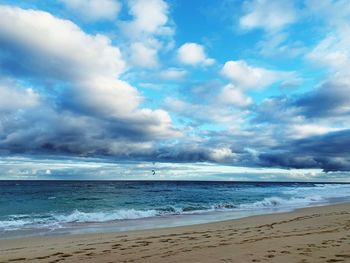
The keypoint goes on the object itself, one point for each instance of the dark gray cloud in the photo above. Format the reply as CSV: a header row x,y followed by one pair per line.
x,y
331,99
310,129
39,131
330,152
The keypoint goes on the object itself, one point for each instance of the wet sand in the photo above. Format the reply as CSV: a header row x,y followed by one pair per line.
x,y
320,234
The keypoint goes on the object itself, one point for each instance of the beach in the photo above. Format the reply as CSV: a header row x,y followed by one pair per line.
x,y
318,234
174,131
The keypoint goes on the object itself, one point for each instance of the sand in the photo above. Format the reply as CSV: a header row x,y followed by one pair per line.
x,y
320,234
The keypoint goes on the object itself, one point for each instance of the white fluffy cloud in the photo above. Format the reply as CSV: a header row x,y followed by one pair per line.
x,y
148,32
245,76
13,98
222,154
143,55
150,16
93,10
231,95
193,54
52,43
86,65
270,15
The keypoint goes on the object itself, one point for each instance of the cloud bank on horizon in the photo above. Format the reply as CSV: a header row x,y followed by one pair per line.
x,y
257,83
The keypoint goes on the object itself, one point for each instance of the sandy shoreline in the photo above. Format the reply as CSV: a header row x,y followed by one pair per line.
x,y
320,234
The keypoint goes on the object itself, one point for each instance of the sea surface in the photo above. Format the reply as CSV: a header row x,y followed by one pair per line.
x,y
32,208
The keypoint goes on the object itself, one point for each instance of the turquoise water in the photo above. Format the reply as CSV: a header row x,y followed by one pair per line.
x,y
64,207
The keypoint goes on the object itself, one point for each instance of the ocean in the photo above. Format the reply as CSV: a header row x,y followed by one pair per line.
x,y
32,208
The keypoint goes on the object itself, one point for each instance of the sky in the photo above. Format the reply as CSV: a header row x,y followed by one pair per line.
x,y
197,90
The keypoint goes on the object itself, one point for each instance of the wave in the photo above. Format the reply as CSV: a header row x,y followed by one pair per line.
x,y
30,223
291,198
92,217
54,220
278,202
301,197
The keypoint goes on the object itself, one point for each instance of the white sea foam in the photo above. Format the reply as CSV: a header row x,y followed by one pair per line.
x,y
53,221
30,223
84,217
13,224
278,202
302,197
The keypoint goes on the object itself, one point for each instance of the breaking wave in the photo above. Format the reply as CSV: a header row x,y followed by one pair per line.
x,y
292,198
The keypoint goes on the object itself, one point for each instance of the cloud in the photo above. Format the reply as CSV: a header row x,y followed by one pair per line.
x,y
143,56
193,54
37,36
172,74
334,13
216,106
211,112
189,152
232,96
304,130
150,16
48,132
273,17
315,128
93,10
330,100
333,51
84,107
246,77
64,91
270,15
149,21
223,154
148,32
93,168
15,98
321,110
329,152
278,44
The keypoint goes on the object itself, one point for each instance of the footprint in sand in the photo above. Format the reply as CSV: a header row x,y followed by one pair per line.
x,y
42,257
343,256
285,252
